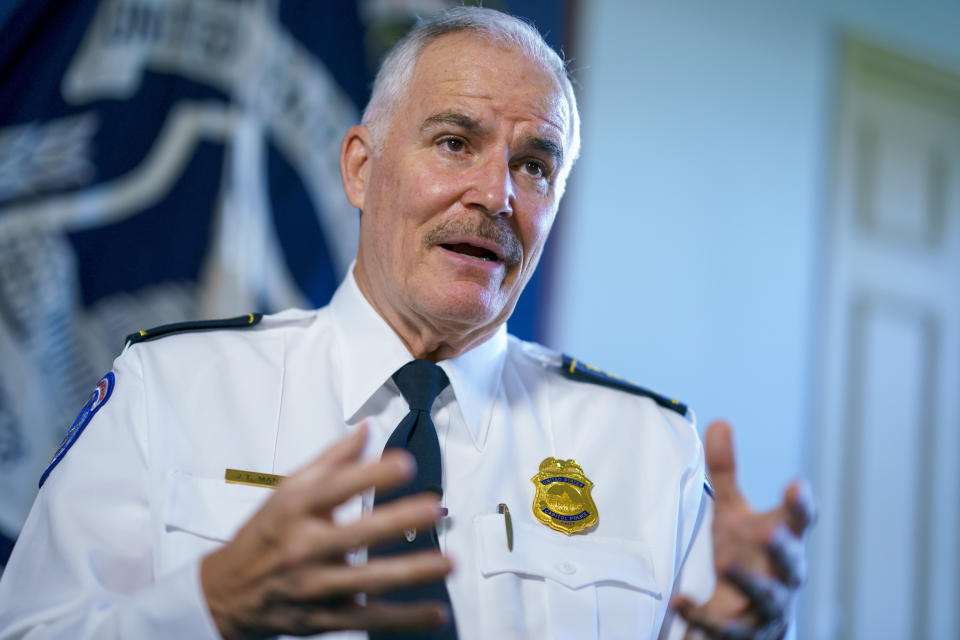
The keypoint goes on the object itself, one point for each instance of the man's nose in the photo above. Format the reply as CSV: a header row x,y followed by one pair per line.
x,y
492,188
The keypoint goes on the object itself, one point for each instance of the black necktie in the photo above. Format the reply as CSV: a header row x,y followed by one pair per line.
x,y
420,382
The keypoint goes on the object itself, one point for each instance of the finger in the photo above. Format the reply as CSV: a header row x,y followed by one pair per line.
x,y
317,582
714,625
683,607
718,628
721,463
387,522
788,556
800,507
345,449
312,540
769,599
316,540
382,616
307,493
319,488
692,633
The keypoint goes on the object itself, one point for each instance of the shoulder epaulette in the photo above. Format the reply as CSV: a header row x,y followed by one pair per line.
x,y
576,370
240,322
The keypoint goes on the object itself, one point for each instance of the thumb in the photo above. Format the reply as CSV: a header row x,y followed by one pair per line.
x,y
721,464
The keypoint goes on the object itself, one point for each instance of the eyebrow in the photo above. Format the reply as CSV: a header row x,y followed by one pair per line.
x,y
457,119
547,146
454,118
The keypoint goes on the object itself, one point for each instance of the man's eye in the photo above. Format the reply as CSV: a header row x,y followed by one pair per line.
x,y
453,144
535,169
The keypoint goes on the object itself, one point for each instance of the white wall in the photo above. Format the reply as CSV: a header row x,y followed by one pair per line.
x,y
689,247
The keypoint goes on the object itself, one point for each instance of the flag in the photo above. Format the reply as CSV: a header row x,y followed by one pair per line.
x,y
163,160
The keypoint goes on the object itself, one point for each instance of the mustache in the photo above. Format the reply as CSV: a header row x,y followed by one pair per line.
x,y
496,230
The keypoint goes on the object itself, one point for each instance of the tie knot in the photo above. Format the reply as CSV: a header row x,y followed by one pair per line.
x,y
420,382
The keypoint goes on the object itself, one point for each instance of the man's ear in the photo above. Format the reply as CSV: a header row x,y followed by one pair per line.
x,y
356,154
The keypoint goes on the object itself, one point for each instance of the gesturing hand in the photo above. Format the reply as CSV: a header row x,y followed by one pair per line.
x,y
285,571
759,557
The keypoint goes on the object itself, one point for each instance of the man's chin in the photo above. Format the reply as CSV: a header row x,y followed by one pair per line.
x,y
465,305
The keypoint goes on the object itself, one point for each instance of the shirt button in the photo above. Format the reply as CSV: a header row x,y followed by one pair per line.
x,y
567,567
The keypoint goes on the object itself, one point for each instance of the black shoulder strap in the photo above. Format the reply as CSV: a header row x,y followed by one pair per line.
x,y
240,322
576,370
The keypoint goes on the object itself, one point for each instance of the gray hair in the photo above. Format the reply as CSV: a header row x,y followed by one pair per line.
x,y
397,68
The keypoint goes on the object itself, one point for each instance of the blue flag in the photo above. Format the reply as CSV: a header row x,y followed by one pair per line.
x,y
163,161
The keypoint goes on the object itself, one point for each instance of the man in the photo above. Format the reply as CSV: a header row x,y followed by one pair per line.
x,y
568,508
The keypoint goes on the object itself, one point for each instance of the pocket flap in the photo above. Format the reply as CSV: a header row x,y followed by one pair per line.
x,y
210,507
573,561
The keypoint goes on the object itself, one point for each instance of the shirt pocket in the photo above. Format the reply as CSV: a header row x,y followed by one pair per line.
x,y
200,514
552,586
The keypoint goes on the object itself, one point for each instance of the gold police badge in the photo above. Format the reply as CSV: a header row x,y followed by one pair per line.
x,y
563,499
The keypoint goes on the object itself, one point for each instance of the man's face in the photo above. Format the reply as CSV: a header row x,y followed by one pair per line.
x,y
457,204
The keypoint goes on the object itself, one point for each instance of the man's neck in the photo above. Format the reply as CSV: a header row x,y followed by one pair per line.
x,y
422,338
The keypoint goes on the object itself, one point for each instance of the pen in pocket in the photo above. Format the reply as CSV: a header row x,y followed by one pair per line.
x,y
502,508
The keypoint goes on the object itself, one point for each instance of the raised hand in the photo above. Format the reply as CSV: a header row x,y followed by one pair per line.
x,y
285,572
759,557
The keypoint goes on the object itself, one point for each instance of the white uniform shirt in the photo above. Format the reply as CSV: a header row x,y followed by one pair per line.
x,y
112,546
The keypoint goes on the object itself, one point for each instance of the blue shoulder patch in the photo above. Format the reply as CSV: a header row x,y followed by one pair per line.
x,y
576,370
101,393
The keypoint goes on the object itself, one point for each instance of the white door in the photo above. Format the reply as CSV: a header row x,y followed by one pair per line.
x,y
886,446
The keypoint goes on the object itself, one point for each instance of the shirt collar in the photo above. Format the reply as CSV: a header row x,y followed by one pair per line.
x,y
475,377
370,352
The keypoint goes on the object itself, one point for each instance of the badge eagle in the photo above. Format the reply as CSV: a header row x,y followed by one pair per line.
x,y
563,500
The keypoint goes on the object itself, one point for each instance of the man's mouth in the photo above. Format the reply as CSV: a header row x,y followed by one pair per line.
x,y
473,251
481,239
